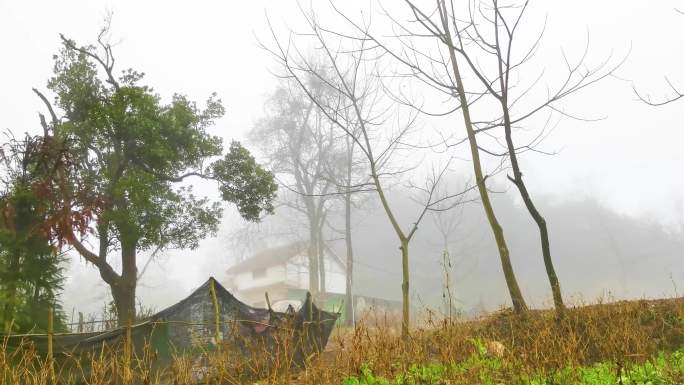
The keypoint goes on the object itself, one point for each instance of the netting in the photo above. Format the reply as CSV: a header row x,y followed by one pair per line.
x,y
209,319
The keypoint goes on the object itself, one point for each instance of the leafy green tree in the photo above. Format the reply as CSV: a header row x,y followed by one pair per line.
x,y
31,272
132,157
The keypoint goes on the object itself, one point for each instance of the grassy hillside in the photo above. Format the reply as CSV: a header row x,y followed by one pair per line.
x,y
635,342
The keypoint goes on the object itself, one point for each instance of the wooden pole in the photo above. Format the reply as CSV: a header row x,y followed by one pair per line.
x,y
217,314
50,356
127,352
80,322
268,302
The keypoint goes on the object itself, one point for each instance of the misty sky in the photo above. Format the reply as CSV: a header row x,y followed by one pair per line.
x,y
630,161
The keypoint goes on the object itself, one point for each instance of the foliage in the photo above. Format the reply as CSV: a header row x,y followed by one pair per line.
x,y
251,187
31,271
131,157
132,148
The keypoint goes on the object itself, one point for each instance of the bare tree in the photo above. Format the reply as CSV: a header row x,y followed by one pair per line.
x,y
349,274
363,114
317,168
346,171
353,175
492,28
297,140
446,222
516,295
441,71
487,31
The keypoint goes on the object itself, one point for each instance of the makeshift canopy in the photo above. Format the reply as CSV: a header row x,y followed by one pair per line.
x,y
210,318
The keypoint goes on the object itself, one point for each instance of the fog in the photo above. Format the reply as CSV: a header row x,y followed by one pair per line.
x,y
613,194
599,254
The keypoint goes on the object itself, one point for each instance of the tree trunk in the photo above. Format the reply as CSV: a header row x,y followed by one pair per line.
x,y
9,308
544,237
124,301
548,264
517,299
405,287
519,304
404,241
313,261
349,300
321,256
11,289
36,292
531,208
123,289
534,213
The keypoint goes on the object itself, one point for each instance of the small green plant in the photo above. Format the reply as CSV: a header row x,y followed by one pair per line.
x,y
418,375
480,346
366,377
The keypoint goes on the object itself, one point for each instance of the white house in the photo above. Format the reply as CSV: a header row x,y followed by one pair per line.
x,y
283,272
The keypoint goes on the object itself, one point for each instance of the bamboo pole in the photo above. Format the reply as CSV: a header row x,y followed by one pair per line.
x,y
80,322
127,353
217,314
50,356
268,302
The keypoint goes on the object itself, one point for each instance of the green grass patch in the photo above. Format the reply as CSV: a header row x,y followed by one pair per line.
x,y
483,368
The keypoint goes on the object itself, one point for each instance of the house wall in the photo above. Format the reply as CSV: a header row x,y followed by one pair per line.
x,y
298,274
246,280
278,279
335,280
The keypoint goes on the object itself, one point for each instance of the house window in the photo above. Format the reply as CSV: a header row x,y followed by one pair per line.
x,y
258,273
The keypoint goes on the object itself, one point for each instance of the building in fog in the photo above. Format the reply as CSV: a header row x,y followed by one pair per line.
x,y
282,272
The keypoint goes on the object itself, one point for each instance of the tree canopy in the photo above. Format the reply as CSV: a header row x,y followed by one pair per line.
x,y
132,157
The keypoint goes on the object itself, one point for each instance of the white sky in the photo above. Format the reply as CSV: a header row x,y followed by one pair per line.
x,y
632,160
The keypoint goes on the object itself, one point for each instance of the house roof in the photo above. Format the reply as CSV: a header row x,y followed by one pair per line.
x,y
277,256
269,257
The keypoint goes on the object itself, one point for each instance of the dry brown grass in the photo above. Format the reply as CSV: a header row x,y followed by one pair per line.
x,y
621,332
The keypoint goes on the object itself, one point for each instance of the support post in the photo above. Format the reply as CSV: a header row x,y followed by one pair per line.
x,y
50,334
268,302
217,314
128,348
80,322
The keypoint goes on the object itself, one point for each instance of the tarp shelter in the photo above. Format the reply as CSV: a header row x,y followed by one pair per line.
x,y
193,325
